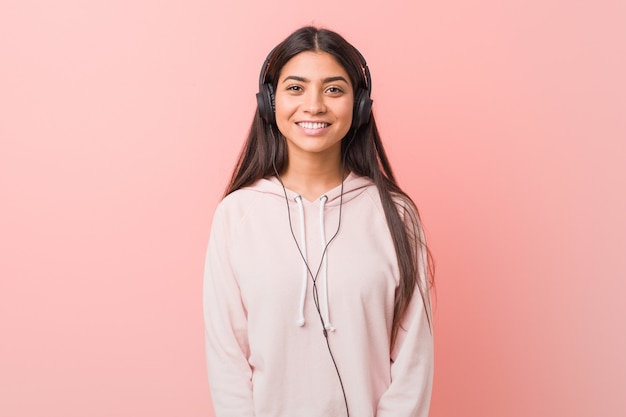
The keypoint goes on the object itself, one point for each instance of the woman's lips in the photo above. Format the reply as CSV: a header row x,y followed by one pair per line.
x,y
313,128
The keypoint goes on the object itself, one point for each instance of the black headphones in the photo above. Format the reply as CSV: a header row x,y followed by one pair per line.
x,y
362,101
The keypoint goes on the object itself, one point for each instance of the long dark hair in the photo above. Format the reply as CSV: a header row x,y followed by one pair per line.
x,y
364,155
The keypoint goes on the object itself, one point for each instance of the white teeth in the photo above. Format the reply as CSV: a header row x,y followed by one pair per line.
x,y
312,125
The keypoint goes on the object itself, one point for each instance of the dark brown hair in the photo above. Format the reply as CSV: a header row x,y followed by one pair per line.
x,y
365,157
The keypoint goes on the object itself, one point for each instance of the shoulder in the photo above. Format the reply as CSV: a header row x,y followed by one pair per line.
x,y
237,198
403,203
406,207
257,199
234,207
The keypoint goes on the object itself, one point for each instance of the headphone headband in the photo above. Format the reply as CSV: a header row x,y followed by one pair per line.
x,y
266,64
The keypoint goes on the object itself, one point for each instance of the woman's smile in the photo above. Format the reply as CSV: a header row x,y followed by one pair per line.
x,y
314,128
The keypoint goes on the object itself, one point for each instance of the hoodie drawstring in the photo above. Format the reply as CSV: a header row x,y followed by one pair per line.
x,y
305,268
324,271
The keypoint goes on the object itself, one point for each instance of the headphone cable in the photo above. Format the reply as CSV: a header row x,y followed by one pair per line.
x,y
314,277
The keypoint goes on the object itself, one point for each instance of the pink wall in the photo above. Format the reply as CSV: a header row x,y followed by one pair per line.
x,y
120,121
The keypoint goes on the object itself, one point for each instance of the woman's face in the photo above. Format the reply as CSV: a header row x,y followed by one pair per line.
x,y
314,101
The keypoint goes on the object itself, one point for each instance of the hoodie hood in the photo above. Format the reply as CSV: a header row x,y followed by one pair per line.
x,y
353,185
299,207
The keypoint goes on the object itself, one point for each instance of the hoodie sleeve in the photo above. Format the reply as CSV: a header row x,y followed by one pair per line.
x,y
410,390
227,351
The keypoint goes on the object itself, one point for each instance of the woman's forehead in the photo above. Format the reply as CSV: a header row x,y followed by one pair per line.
x,y
313,65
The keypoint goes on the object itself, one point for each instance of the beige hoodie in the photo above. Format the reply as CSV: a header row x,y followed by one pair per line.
x,y
266,351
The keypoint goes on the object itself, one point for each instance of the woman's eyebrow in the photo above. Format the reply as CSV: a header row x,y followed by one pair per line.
x,y
295,78
337,78
325,80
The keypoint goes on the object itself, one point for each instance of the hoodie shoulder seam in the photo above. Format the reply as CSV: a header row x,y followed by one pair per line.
x,y
235,199
375,200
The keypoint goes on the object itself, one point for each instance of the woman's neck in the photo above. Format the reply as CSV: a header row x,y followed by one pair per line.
x,y
311,181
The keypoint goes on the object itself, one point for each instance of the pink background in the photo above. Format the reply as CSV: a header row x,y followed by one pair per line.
x,y
120,122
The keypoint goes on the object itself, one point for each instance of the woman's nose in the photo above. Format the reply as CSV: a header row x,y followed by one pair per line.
x,y
314,102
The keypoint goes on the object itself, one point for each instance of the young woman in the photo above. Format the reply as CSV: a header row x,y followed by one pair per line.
x,y
316,294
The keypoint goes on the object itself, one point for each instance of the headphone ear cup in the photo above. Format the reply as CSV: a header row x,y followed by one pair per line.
x,y
266,103
362,108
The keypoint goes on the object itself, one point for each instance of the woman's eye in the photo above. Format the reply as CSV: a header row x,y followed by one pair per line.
x,y
295,88
334,90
